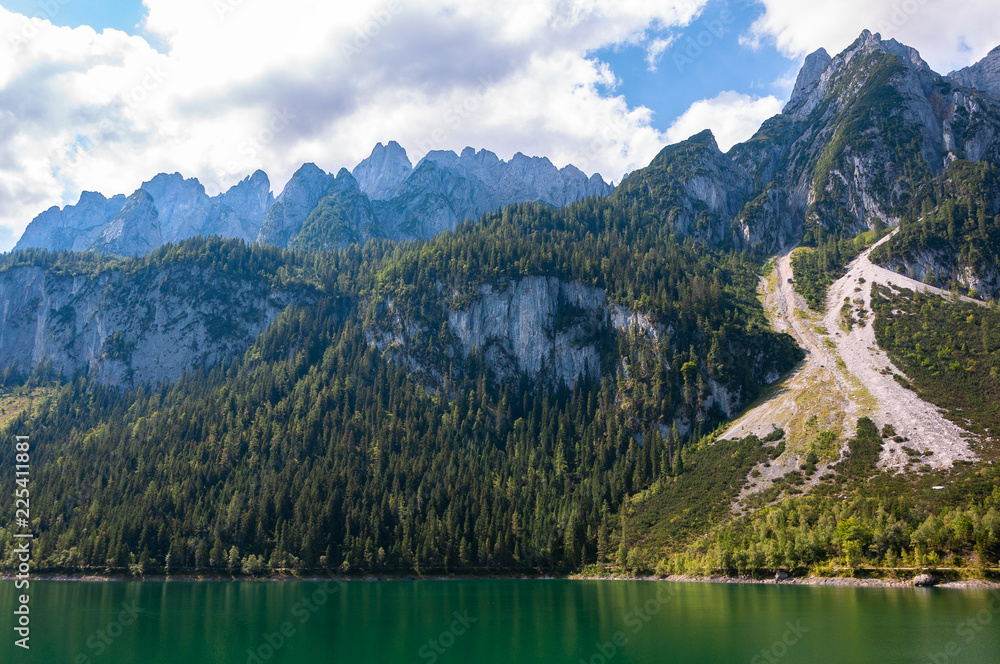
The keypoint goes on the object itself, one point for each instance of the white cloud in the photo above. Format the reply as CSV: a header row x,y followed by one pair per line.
x,y
655,51
949,35
732,117
243,86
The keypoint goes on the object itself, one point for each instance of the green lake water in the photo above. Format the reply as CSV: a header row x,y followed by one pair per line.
x,y
522,621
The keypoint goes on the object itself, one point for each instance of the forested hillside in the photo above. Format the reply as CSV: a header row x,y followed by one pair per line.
x,y
318,449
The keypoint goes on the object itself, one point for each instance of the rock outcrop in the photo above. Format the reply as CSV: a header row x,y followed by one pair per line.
x,y
125,329
73,228
380,175
168,208
983,76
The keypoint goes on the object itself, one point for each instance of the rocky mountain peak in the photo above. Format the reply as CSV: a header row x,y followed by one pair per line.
x,y
984,75
809,75
869,41
136,230
380,175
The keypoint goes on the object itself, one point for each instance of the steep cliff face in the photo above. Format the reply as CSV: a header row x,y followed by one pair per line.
x,y
861,133
299,198
124,329
447,188
984,75
545,329
168,208
533,324
380,175
134,231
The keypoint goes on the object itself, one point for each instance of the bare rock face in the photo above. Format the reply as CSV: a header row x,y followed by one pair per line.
x,y
385,195
519,329
125,329
168,208
861,131
446,189
983,76
925,581
809,75
380,175
300,197
73,228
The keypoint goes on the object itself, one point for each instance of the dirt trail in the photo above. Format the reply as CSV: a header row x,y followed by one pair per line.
x,y
843,377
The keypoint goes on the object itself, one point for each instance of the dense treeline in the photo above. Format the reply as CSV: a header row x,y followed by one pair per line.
x,y
949,351
823,259
954,223
857,517
316,449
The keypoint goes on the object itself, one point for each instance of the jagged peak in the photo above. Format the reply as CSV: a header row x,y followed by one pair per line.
x,y
983,75
705,137
809,75
869,41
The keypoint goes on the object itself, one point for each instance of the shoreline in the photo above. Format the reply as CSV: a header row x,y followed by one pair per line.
x,y
833,581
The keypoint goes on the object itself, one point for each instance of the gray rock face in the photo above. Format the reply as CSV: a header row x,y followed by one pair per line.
x,y
135,230
446,189
857,136
516,329
380,175
300,197
386,197
984,75
168,208
73,228
124,330
810,74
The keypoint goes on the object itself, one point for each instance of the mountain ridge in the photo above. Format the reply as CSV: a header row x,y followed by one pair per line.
x,y
449,187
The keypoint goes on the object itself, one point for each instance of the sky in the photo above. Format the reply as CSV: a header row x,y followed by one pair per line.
x,y
101,96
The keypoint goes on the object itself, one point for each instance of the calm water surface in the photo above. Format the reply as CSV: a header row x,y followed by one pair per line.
x,y
460,622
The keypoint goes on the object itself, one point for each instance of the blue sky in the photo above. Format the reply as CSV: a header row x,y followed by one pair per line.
x,y
122,15
701,61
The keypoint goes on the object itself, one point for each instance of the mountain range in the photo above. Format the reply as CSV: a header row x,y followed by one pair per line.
x,y
782,358
384,197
